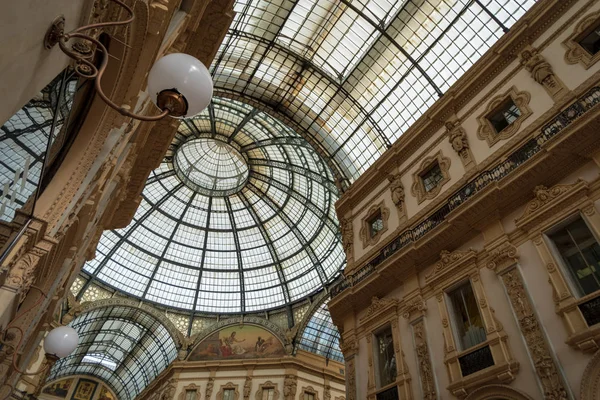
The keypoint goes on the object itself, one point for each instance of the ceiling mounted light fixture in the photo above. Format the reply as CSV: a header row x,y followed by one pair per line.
x,y
179,84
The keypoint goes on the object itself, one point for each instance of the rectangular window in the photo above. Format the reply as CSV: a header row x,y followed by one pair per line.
x,y
468,323
268,393
228,394
386,358
504,116
591,41
190,394
309,396
580,253
432,177
375,224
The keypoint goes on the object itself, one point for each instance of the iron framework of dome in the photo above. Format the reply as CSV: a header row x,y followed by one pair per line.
x,y
261,236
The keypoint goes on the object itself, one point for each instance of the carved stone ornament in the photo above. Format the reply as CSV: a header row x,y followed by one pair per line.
x,y
167,391
414,306
350,380
378,304
575,53
539,350
418,187
209,387
264,386
327,392
349,347
487,131
503,256
230,386
457,137
290,385
541,71
347,238
247,387
590,383
448,263
365,234
190,387
397,191
425,369
547,201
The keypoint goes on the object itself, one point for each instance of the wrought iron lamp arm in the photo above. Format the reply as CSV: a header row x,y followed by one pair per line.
x,y
170,102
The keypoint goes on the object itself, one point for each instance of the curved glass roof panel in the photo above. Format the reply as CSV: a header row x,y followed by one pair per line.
x,y
124,346
271,240
354,75
321,336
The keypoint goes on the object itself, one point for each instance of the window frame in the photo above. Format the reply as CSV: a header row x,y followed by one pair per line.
x,y
418,187
576,53
452,312
565,269
366,230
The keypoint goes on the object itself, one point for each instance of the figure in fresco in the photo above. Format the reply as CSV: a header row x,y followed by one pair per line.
x,y
259,346
231,347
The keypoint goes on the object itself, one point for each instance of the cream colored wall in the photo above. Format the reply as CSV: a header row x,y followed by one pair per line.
x,y
25,65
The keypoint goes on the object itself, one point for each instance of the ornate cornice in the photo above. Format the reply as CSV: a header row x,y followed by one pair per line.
x,y
551,201
378,307
449,263
502,257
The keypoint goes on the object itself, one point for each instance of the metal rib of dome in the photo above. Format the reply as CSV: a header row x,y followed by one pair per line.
x,y
211,167
272,242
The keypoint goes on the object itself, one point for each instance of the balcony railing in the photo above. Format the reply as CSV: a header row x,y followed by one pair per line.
x,y
480,182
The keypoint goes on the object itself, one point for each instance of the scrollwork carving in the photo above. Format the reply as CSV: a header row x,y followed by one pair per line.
x,y
541,71
425,369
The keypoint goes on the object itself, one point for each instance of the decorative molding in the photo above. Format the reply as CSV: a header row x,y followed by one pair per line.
x,y
545,366
310,390
192,386
457,137
415,306
542,72
590,381
418,188
209,387
575,53
377,309
550,201
266,385
449,263
427,377
247,387
487,131
350,380
490,392
349,347
365,230
502,257
228,385
398,195
348,238
290,385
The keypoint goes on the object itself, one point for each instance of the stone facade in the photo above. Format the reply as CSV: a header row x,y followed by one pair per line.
x,y
487,227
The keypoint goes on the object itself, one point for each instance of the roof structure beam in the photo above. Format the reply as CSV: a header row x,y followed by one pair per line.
x,y
238,253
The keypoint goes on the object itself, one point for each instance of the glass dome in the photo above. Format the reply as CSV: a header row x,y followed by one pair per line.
x,y
211,167
238,218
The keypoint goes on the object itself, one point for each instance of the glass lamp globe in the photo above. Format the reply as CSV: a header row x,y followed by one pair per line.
x,y
180,83
61,341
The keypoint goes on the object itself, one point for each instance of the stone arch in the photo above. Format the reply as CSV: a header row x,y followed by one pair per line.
x,y
590,384
92,305
497,392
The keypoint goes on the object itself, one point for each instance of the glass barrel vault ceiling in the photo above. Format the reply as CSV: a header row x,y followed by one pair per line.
x,y
355,74
269,240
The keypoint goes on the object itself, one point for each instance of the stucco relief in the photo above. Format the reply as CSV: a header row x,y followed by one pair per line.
x,y
457,137
425,369
590,384
545,367
542,72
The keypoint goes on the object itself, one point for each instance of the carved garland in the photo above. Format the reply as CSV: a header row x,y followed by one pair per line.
x,y
575,53
487,131
544,364
418,187
424,360
365,235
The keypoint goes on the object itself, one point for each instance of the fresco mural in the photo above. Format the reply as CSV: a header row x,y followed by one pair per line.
x,y
84,390
239,341
59,389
